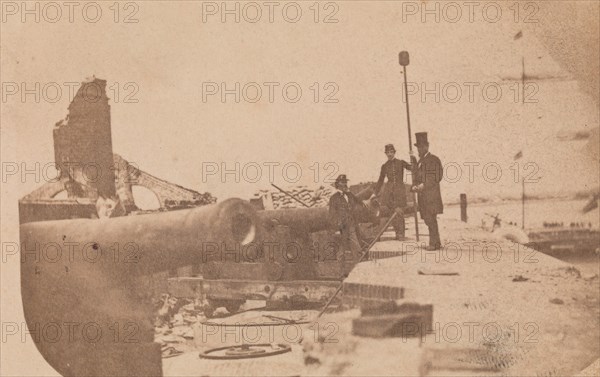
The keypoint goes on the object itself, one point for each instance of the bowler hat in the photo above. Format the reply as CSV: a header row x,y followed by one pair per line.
x,y
390,148
421,138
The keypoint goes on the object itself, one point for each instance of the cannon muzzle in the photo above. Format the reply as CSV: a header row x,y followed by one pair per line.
x,y
79,282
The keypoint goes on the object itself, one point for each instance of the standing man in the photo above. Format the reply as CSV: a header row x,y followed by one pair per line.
x,y
428,176
394,198
343,206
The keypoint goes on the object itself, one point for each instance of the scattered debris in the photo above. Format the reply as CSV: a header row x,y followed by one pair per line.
x,y
309,360
175,318
436,271
184,332
572,271
170,338
170,352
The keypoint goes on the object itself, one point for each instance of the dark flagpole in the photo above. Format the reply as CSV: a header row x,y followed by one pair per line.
x,y
404,60
522,103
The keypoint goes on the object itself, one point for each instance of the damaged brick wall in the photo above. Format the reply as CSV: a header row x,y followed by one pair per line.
x,y
90,170
83,144
169,195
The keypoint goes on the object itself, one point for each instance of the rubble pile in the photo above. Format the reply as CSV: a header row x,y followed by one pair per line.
x,y
174,321
275,199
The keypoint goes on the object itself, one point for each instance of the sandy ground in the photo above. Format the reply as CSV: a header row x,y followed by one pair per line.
x,y
508,310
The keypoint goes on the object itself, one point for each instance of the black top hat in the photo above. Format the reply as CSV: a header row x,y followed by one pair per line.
x,y
421,138
341,179
390,147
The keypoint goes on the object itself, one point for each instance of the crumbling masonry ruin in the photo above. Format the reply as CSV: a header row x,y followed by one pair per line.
x,y
97,182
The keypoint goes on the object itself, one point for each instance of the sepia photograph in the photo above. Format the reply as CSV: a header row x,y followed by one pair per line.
x,y
300,188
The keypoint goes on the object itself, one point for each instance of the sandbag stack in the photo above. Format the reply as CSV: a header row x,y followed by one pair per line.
x,y
275,199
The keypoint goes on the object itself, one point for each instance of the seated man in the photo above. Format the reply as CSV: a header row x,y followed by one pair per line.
x,y
343,206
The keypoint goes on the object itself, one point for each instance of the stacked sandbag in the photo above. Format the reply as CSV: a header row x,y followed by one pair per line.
x,y
275,199
197,201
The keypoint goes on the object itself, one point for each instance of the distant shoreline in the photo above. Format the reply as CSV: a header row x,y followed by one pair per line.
x,y
483,201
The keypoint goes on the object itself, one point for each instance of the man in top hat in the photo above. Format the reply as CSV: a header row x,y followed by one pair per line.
x,y
394,196
428,175
343,207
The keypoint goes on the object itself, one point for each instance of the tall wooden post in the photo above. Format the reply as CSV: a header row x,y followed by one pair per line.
x,y
523,205
463,207
404,60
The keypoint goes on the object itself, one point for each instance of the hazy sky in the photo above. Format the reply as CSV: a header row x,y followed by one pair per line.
x,y
472,112
175,50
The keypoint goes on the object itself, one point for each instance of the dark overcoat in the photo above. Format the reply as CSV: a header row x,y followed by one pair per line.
x,y
429,172
395,192
342,212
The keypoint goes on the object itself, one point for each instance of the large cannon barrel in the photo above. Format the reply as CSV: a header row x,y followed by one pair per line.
x,y
79,282
139,244
303,219
316,219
